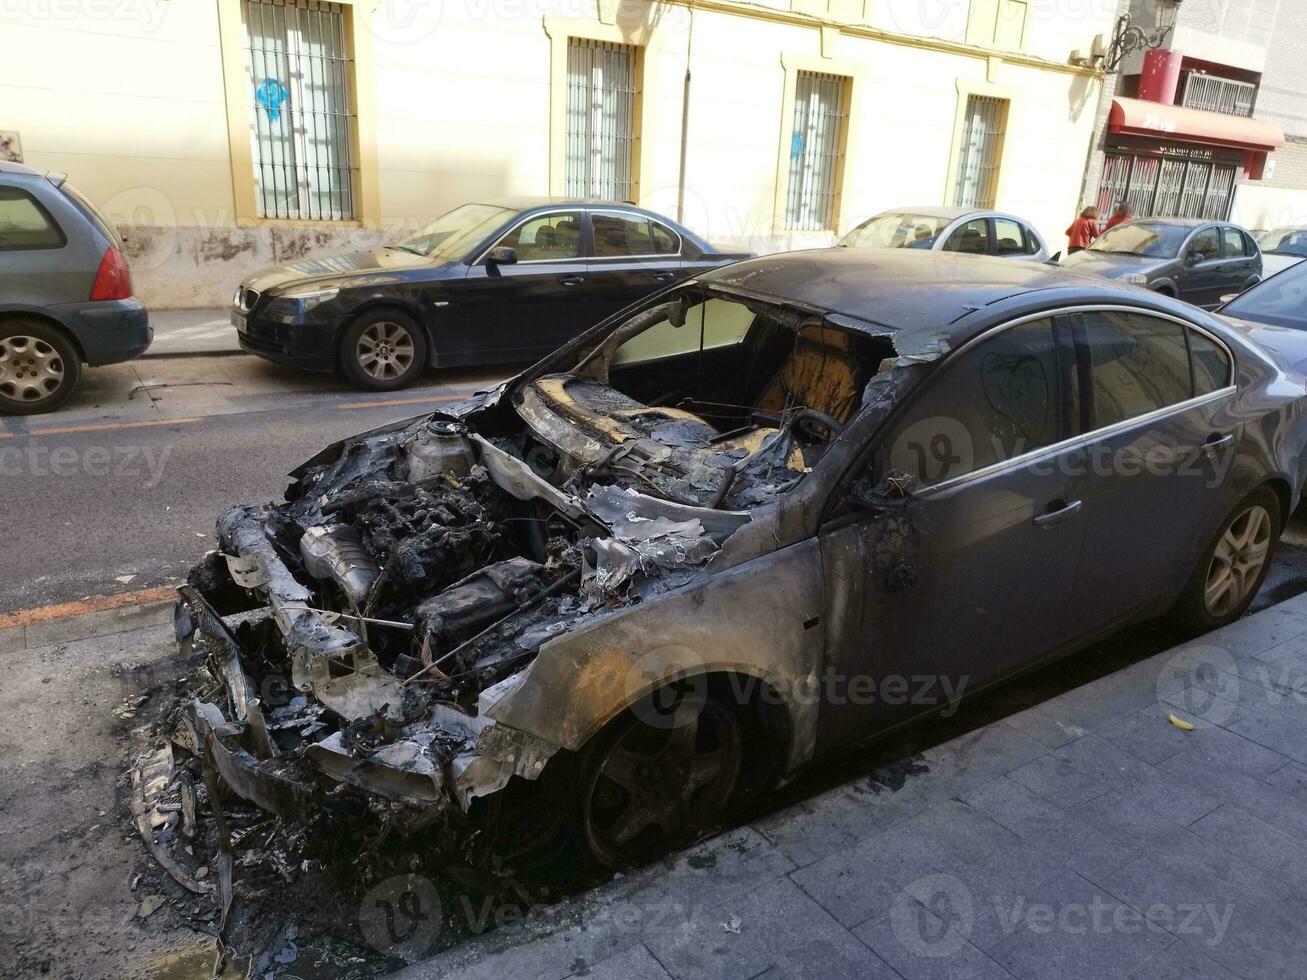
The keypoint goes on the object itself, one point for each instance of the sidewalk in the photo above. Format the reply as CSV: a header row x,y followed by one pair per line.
x,y
1086,836
187,333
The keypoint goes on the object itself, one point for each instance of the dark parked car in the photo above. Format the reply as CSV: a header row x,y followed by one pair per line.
x,y
752,520
1194,260
1280,301
488,283
65,291
968,230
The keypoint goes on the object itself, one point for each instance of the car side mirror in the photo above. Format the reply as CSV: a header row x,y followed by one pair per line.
x,y
1193,258
501,255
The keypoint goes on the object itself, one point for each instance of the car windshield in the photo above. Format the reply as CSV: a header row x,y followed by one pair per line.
x,y
896,229
1151,238
1281,300
1285,241
453,234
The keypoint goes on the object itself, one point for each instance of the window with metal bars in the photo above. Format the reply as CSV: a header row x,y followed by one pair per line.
x,y
816,150
601,120
1167,187
979,151
298,78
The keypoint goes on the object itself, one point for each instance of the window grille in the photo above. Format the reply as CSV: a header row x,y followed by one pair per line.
x,y
601,133
816,150
298,72
1224,95
978,156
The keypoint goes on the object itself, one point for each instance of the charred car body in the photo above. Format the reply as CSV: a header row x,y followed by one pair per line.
x,y
655,570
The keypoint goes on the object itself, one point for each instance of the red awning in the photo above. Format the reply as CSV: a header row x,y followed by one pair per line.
x,y
1134,117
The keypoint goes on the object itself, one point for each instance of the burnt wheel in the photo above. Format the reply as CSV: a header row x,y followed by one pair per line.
x,y
657,779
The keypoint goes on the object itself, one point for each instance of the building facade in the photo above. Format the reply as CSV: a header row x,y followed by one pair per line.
x,y
1214,122
224,135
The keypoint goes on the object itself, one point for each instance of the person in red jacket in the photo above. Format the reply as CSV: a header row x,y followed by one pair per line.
x,y
1083,231
1123,212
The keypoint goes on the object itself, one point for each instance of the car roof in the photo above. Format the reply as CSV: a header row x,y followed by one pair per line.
x,y
931,211
1179,222
8,167
544,201
908,290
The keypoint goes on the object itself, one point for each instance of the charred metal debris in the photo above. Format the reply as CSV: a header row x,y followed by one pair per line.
x,y
354,641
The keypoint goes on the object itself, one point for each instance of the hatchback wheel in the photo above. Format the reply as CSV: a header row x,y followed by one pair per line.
x,y
38,368
383,351
655,781
1234,565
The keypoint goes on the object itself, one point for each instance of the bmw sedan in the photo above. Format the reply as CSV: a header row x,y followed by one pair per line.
x,y
963,230
1191,259
757,518
485,283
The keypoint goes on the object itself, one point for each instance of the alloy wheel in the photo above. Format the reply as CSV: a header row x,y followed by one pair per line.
x,y
658,785
385,350
1238,560
31,370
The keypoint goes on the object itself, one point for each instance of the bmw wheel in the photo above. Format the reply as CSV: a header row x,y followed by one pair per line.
x,y
383,351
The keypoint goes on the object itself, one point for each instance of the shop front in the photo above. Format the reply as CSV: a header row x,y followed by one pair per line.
x,y
1172,161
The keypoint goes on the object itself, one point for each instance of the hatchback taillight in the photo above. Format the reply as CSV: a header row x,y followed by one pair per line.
x,y
112,281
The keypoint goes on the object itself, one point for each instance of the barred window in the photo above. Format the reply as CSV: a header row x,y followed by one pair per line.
x,y
978,152
601,120
816,150
298,72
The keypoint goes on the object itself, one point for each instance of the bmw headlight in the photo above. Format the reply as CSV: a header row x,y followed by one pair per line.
x,y
310,296
1136,279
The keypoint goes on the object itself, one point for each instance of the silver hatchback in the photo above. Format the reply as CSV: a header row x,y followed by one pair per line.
x,y
966,230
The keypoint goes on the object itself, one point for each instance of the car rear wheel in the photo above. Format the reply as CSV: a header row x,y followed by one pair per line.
x,y
383,351
39,368
656,779
1234,565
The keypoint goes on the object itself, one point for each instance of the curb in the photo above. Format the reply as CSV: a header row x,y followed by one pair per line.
x,y
162,355
104,622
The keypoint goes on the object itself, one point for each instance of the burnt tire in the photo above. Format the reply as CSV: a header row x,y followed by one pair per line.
x,y
655,779
384,350
1233,566
39,367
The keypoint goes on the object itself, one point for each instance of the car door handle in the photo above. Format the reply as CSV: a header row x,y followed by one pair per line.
x,y
1059,511
1214,444
572,280
664,276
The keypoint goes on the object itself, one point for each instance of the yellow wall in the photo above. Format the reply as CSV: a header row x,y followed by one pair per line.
x,y
130,102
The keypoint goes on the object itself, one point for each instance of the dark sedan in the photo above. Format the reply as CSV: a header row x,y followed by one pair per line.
x,y
1191,259
748,522
485,283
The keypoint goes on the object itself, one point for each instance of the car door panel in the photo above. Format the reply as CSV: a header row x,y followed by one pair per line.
x,y
964,578
626,265
1202,281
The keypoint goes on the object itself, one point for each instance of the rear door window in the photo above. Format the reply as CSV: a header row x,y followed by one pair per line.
x,y
622,235
1011,394
665,241
25,223
1138,364
1212,368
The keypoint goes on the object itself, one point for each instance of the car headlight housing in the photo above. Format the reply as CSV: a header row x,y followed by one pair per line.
x,y
307,297
1136,279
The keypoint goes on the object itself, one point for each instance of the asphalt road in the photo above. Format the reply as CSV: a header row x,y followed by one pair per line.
x,y
119,491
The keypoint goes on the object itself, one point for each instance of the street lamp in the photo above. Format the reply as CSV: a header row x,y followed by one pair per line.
x,y
1130,37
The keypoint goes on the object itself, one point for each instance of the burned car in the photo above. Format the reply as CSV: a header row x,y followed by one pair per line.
x,y
758,517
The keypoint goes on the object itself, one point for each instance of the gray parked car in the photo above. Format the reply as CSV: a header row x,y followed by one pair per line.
x,y
1282,248
756,518
65,291
966,230
1193,259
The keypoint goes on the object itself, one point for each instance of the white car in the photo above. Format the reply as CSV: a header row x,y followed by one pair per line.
x,y
966,230
1282,248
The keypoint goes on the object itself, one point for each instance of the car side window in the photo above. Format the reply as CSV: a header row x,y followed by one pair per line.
x,y
1232,242
1206,244
1011,394
971,237
548,237
665,241
1033,244
1138,364
1212,368
617,235
1008,238
24,224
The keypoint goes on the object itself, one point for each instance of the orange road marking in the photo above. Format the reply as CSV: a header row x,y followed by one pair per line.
x,y
425,399
99,427
63,610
